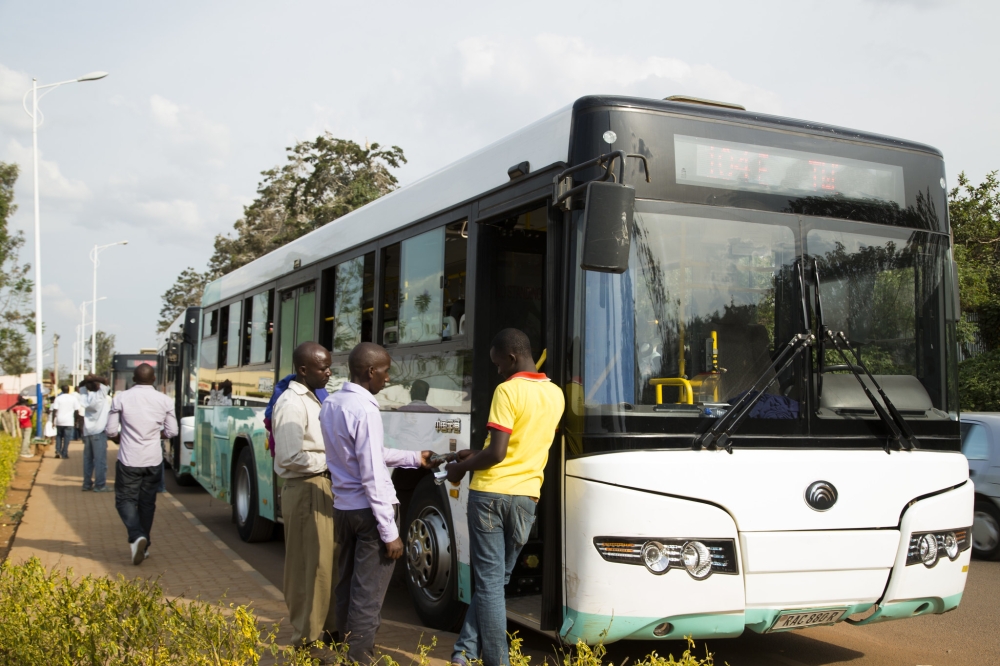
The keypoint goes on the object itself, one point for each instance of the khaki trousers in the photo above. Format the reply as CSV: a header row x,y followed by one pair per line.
x,y
310,572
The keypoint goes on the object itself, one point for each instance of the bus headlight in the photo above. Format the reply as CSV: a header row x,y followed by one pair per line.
x,y
699,557
928,547
655,557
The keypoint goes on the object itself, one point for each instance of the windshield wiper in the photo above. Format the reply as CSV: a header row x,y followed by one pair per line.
x,y
720,433
899,429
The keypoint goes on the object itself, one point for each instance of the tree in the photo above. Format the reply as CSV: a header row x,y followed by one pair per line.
x,y
15,285
323,180
186,292
974,211
105,350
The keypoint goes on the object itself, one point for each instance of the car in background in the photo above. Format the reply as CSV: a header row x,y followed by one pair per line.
x,y
981,446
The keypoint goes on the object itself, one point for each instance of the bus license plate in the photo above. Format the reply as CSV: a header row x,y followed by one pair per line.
x,y
799,619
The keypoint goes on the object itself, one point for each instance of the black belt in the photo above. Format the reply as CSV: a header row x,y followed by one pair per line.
x,y
313,476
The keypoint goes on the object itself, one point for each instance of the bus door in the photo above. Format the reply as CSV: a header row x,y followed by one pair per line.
x,y
296,324
511,276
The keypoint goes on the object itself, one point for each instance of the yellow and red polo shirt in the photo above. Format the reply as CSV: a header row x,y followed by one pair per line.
x,y
528,406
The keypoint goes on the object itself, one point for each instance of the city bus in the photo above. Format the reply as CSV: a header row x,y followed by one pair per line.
x,y
177,349
753,321
123,365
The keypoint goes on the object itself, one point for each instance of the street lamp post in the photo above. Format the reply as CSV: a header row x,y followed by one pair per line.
x,y
93,337
39,367
81,338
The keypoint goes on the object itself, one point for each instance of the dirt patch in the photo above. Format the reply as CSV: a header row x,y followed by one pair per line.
x,y
12,509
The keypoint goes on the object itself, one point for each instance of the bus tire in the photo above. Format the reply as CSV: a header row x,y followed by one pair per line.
x,y
432,559
249,523
986,530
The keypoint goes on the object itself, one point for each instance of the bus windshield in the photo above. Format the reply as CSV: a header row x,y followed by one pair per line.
x,y
712,296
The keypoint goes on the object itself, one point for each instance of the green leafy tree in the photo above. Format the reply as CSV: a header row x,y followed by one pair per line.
x,y
322,180
105,350
16,320
974,211
186,292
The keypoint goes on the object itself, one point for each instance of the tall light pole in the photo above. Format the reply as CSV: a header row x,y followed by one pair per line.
x,y
81,337
93,337
39,367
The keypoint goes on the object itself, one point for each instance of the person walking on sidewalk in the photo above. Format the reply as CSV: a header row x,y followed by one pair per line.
x,y
23,413
138,419
64,409
506,483
306,500
365,508
96,407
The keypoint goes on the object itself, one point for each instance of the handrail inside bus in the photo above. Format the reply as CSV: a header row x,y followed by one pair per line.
x,y
541,359
687,397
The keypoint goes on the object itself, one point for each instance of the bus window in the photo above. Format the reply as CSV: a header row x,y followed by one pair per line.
x,y
455,247
390,295
261,327
210,341
349,303
414,286
229,341
306,316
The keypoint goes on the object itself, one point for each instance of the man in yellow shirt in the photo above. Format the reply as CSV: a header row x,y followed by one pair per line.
x,y
506,483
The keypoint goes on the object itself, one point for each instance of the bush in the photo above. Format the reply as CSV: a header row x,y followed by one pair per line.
x,y
10,447
979,382
47,618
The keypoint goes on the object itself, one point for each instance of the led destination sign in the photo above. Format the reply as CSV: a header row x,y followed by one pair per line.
x,y
766,169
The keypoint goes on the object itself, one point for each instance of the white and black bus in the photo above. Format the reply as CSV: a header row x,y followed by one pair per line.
x,y
753,321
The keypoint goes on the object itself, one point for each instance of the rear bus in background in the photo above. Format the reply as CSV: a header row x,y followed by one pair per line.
x,y
123,365
177,357
753,321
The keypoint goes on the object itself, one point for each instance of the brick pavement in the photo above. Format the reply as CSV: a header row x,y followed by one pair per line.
x,y
67,528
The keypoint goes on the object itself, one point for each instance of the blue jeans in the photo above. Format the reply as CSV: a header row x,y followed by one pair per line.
x,y
95,460
135,498
499,526
63,434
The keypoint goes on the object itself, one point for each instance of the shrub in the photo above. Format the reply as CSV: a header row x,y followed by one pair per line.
x,y
979,382
48,618
10,447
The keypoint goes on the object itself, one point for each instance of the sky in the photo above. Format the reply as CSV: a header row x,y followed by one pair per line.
x,y
203,96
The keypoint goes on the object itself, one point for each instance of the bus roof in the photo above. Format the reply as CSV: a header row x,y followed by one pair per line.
x,y
542,143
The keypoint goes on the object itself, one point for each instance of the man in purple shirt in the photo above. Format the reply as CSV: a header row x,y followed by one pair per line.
x,y
138,419
365,508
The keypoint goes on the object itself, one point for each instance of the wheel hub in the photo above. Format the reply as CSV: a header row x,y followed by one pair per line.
x,y
428,553
243,495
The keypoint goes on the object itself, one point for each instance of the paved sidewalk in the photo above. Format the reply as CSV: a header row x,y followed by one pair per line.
x,y
67,528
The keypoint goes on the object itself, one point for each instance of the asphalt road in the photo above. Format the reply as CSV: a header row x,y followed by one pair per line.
x,y
968,635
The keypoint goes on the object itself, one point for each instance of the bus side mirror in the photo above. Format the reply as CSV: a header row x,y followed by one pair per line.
x,y
607,227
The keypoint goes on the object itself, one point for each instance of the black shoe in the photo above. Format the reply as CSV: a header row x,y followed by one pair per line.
x,y
58,456
86,488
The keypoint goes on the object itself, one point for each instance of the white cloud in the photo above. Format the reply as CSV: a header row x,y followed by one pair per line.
x,y
52,182
175,218
13,85
189,128
561,67
55,302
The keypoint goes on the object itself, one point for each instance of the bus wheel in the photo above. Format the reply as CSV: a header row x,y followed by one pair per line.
x,y
986,530
432,560
249,523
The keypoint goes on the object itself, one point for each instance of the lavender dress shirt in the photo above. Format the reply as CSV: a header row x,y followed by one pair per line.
x,y
140,414
357,458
